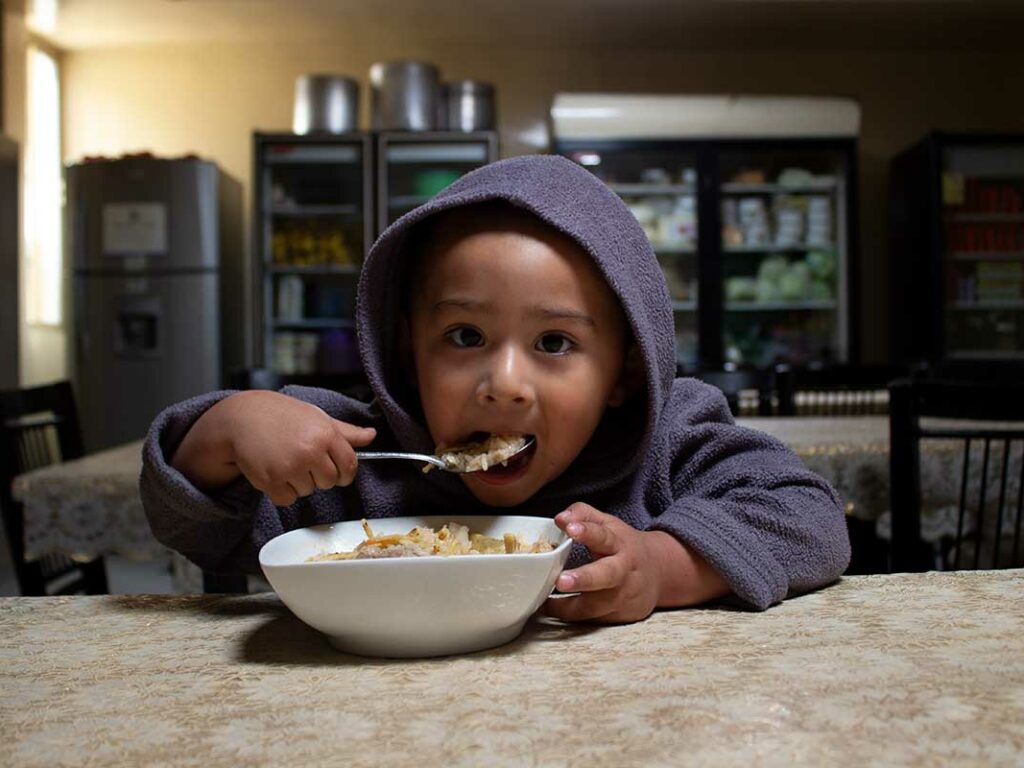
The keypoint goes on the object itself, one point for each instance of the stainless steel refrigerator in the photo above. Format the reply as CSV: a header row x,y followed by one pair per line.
x,y
156,287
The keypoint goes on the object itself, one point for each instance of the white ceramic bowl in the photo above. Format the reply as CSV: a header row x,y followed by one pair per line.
x,y
414,606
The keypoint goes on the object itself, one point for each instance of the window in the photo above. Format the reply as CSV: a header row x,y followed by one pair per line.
x,y
42,216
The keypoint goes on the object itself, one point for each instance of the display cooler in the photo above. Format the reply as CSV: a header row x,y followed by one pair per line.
x,y
957,251
750,207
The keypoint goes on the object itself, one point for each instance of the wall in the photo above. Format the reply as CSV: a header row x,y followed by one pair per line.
x,y
42,353
208,99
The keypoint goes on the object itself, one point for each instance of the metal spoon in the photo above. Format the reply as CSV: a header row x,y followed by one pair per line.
x,y
436,461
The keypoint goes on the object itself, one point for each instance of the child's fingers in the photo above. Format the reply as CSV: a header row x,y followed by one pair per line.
x,y
581,512
606,573
344,459
282,495
589,607
599,538
354,435
325,472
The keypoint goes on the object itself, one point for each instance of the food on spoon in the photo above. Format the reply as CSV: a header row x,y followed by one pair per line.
x,y
451,539
479,455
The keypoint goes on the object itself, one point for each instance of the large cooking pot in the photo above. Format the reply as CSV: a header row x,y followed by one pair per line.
x,y
467,105
326,103
403,96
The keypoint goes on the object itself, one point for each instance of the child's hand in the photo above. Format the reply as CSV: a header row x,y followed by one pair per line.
x,y
633,571
285,447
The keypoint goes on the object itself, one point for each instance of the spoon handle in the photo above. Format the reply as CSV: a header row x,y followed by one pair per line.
x,y
399,455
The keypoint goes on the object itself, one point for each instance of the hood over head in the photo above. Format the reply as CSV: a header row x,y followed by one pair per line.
x,y
575,202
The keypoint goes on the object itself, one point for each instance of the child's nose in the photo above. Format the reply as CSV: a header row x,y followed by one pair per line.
x,y
507,380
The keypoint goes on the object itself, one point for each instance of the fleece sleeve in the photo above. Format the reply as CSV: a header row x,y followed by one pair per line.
x,y
748,506
223,530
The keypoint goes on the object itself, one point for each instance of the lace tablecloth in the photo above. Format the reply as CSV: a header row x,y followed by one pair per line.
x,y
920,669
852,453
91,506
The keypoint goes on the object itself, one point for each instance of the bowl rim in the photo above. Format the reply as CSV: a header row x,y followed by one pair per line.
x,y
565,543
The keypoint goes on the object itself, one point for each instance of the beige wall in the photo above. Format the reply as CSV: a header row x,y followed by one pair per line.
x,y
208,99
42,347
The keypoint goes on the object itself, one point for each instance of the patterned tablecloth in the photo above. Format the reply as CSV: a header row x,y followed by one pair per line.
x,y
920,669
91,506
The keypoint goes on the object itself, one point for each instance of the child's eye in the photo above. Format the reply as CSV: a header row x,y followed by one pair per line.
x,y
554,344
465,337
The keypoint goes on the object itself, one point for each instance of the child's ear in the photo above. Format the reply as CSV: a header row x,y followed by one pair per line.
x,y
631,380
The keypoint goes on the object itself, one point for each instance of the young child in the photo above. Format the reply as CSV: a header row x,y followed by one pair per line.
x,y
523,299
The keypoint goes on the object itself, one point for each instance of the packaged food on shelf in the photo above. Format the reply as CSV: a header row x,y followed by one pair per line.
x,y
679,226
290,298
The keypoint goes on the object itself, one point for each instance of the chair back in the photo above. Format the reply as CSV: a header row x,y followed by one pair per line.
x,y
984,423
749,392
839,390
39,427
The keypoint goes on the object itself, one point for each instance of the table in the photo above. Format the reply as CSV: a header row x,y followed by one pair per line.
x,y
906,669
90,507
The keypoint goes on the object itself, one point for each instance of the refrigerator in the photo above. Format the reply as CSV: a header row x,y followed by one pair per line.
x,y
155,288
750,207
9,320
956,208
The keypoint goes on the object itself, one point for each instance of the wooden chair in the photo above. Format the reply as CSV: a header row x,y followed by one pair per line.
x,y
38,427
840,390
988,529
749,392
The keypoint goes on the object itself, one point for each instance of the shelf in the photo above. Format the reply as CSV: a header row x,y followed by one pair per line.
x,y
318,323
986,305
314,210
674,250
986,255
407,201
779,306
994,218
653,189
283,154
314,269
986,354
735,188
776,248
684,306
438,153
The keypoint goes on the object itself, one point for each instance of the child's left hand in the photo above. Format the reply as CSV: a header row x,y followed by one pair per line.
x,y
633,571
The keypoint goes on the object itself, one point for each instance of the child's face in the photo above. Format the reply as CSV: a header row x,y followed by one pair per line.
x,y
516,332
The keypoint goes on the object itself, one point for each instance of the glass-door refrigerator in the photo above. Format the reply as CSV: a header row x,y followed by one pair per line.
x,y
785,251
957,251
413,166
658,182
313,222
755,233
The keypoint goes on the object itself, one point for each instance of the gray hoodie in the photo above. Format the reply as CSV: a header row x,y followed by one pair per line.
x,y
670,459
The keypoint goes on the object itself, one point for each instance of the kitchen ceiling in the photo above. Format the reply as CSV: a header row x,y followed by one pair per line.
x,y
649,24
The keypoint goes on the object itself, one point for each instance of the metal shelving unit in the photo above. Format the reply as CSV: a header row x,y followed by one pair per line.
x,y
412,167
313,219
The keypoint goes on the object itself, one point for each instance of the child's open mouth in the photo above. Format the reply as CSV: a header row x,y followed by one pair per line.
x,y
511,470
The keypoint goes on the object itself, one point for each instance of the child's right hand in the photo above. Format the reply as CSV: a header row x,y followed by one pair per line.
x,y
284,447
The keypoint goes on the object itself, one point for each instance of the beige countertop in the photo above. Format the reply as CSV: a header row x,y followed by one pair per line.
x,y
876,670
